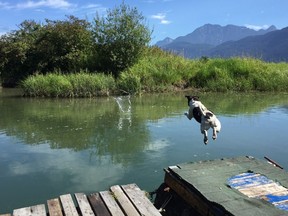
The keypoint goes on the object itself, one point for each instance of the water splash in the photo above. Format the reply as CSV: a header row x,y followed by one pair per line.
x,y
124,104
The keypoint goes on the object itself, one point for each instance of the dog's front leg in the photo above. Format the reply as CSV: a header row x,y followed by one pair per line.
x,y
205,136
189,114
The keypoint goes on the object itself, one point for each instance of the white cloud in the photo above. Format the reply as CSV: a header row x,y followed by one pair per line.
x,y
92,9
256,28
4,5
61,4
161,17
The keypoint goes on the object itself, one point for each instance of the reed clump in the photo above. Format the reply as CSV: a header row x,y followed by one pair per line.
x,y
159,71
69,85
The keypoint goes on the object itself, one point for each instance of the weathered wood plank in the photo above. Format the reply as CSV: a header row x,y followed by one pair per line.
x,y
261,190
54,207
191,197
111,203
83,204
98,205
68,205
138,197
37,210
124,201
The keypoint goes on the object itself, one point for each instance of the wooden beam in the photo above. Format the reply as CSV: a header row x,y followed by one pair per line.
x,y
37,210
111,203
84,205
68,205
98,205
54,207
124,201
140,200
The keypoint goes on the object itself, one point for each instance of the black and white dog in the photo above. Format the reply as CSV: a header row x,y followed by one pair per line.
x,y
205,117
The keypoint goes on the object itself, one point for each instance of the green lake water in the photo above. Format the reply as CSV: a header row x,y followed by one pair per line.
x,y
50,147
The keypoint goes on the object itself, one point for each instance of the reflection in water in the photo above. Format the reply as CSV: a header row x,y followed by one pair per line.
x,y
49,147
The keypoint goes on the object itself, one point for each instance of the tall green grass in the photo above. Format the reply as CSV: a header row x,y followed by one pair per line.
x,y
71,85
241,74
160,71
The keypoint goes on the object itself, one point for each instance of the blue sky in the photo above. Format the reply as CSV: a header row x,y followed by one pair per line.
x,y
167,18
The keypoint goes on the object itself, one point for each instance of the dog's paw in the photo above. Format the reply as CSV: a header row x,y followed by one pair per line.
x,y
186,113
205,140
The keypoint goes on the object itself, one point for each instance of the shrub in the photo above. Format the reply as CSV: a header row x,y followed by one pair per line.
x,y
129,83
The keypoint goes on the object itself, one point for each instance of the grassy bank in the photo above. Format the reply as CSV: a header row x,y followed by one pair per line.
x,y
160,71
71,85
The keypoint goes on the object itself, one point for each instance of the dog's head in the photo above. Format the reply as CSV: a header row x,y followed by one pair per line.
x,y
191,98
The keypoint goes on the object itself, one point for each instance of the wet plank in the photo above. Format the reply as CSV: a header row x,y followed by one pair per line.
x,y
98,205
111,203
68,205
139,199
54,207
124,201
84,205
37,210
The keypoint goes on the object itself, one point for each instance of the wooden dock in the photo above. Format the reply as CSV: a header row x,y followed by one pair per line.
x,y
237,186
125,200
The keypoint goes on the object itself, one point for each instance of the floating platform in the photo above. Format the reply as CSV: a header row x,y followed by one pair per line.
x,y
125,200
237,186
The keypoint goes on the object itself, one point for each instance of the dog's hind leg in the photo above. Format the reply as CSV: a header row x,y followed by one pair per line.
x,y
214,136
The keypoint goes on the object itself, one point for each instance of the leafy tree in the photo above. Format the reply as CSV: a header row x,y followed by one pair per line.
x,y
14,49
34,48
63,45
119,38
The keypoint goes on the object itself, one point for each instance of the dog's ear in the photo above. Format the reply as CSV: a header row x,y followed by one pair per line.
x,y
196,98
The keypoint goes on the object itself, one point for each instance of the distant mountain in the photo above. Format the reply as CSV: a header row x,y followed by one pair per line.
x,y
216,34
225,41
189,50
272,46
164,42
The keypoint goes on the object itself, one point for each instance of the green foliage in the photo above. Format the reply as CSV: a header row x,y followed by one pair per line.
x,y
89,85
240,74
34,48
63,45
159,71
114,43
72,85
14,49
120,38
129,83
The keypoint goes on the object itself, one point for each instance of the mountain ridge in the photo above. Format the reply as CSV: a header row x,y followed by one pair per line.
x,y
230,41
215,34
